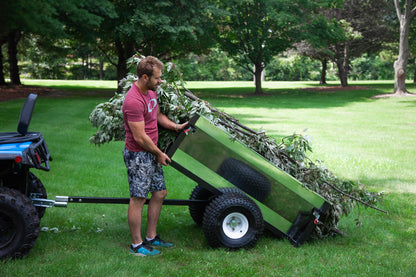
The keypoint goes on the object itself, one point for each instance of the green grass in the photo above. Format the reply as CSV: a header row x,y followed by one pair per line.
x,y
356,136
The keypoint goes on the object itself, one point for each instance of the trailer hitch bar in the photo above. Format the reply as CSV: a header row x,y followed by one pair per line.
x,y
62,201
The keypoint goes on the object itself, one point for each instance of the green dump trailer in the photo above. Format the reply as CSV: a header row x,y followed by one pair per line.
x,y
239,192
243,192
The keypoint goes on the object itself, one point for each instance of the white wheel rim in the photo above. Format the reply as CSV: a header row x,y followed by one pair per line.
x,y
235,225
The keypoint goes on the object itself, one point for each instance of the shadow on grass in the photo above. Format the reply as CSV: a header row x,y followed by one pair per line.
x,y
293,98
67,91
411,102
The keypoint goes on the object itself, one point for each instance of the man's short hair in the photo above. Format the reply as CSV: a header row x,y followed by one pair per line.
x,y
146,66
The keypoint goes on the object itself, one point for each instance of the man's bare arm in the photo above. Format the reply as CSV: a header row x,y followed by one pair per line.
x,y
140,136
166,123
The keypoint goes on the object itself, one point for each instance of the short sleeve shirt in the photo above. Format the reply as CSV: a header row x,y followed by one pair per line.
x,y
140,107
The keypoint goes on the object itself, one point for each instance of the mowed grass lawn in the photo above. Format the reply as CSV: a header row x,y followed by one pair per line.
x,y
356,136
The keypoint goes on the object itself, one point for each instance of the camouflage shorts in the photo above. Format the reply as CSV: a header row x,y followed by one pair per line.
x,y
144,173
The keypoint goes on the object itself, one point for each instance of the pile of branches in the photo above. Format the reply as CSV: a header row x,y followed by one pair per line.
x,y
289,154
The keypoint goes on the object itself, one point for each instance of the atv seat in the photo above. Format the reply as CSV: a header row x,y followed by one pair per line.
x,y
26,114
22,134
15,137
30,146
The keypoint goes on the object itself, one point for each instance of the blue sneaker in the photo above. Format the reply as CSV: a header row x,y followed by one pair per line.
x,y
143,250
157,241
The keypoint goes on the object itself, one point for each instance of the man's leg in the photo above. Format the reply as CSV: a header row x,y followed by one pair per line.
x,y
153,212
135,221
134,217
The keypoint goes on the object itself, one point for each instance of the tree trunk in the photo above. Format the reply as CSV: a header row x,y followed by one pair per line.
x,y
346,64
258,69
121,64
342,75
404,52
2,80
101,69
12,41
324,63
414,74
342,65
400,77
400,64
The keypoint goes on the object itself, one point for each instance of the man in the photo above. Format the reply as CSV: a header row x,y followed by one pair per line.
x,y
143,158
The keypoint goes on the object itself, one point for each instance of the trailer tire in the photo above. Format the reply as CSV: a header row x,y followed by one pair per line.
x,y
36,186
19,224
197,210
233,221
246,178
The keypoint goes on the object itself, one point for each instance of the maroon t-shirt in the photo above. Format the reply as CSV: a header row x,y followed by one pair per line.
x,y
140,107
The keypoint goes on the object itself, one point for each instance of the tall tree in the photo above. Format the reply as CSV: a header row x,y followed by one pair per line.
x,y
366,28
51,19
163,28
253,31
342,51
318,44
405,15
24,16
374,20
83,21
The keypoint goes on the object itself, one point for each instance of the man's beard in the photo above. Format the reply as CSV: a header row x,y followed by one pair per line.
x,y
151,86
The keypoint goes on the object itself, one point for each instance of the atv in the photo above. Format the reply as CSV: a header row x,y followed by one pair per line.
x,y
19,188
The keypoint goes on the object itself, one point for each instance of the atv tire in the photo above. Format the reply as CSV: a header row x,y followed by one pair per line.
x,y
36,186
19,224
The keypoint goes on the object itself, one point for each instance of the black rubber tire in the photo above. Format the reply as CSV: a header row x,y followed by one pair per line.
x,y
36,186
200,193
19,224
197,210
245,222
246,178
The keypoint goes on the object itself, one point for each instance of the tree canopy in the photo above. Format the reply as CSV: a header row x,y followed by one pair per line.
x,y
161,28
254,31
51,20
19,17
164,28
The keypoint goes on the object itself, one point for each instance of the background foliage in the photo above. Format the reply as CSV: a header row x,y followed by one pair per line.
x,y
93,40
216,66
